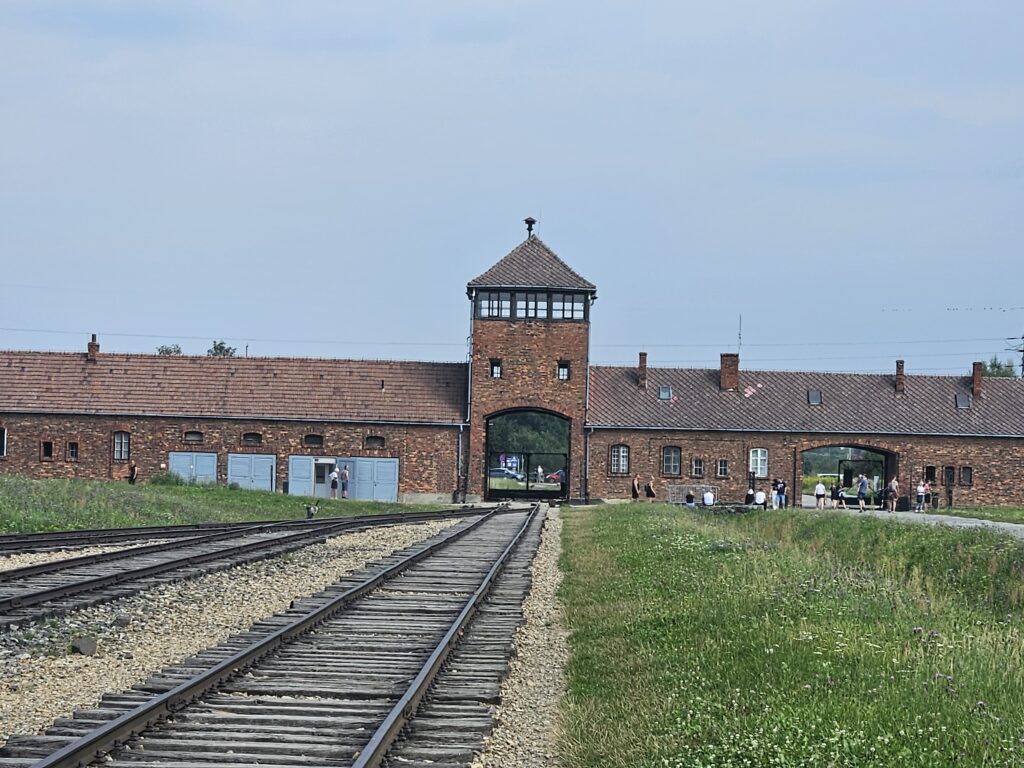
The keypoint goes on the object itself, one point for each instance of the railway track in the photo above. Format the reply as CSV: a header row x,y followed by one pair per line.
x,y
53,588
396,665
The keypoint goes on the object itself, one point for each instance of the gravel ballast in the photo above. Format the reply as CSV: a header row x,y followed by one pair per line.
x,y
41,679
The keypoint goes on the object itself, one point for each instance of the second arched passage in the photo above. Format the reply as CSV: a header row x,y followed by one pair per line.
x,y
527,455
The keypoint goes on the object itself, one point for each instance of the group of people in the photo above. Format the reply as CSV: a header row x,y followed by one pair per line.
x,y
650,491
890,494
339,476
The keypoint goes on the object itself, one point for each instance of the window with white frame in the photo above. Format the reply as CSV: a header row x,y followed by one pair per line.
x,y
122,446
494,304
759,462
723,468
671,460
619,464
697,467
567,306
532,305
563,370
495,368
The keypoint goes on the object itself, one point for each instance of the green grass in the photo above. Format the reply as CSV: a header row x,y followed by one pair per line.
x,y
789,639
52,505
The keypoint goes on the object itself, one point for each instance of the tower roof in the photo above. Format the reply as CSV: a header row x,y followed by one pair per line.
x,y
531,264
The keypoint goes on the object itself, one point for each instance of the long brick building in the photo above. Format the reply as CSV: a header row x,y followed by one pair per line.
x,y
418,431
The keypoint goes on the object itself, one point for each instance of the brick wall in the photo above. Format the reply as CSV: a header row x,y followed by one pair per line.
x,y
529,352
427,455
995,463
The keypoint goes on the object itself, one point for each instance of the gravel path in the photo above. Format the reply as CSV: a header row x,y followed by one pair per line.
x,y
40,680
525,734
1013,529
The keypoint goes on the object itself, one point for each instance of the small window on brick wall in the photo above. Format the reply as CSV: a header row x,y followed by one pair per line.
x,y
252,438
966,476
122,446
929,473
619,459
72,453
313,441
46,450
374,441
697,467
3,441
723,468
495,368
563,370
192,436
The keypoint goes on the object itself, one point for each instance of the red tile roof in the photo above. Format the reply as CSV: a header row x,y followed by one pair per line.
x,y
776,401
238,387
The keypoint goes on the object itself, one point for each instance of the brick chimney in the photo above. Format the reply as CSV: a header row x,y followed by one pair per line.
x,y
641,372
976,380
729,376
901,380
92,350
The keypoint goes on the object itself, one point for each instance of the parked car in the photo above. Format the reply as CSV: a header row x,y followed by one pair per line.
x,y
556,477
506,473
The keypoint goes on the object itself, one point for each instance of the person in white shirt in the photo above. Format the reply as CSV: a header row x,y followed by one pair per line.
x,y
709,498
819,495
760,499
919,507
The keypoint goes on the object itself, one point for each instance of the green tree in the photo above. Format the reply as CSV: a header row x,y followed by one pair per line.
x,y
998,368
220,349
168,349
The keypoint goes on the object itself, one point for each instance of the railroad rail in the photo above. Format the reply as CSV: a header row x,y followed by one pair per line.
x,y
335,680
58,587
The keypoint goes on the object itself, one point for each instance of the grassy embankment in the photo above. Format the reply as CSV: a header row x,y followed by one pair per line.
x,y
790,639
52,505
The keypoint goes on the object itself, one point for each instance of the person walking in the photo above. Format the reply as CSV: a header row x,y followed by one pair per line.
x,y
635,488
862,492
649,491
344,481
894,492
819,495
133,473
833,493
919,507
842,498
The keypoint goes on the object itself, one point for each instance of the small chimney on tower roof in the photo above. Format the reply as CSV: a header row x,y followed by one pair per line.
x,y
641,373
530,221
976,379
901,380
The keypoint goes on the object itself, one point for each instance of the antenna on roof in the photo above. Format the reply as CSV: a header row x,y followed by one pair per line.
x,y
739,337
530,221
1018,348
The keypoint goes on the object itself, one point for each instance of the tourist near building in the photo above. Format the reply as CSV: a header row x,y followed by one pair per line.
x,y
427,431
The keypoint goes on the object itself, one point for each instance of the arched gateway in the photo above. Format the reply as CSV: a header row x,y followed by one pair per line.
x,y
528,455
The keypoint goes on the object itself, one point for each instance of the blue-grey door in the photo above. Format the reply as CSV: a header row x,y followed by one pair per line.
x,y
252,471
300,475
193,467
372,479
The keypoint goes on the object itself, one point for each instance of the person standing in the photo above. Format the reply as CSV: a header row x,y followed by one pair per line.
x,y
709,498
635,488
842,498
133,473
819,495
334,482
927,493
761,498
649,491
344,481
834,494
862,492
780,493
894,492
919,507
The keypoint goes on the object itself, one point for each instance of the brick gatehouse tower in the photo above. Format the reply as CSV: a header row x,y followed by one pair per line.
x,y
530,341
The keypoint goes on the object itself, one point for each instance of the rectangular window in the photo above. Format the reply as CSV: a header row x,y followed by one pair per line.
x,y
494,304
532,305
46,450
948,475
72,450
665,392
697,467
567,306
3,441
619,459
563,370
671,460
723,468
122,446
929,473
759,462
495,368
966,476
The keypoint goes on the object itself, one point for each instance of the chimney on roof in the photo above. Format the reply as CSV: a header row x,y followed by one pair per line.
x,y
529,221
92,350
729,373
976,379
641,373
901,380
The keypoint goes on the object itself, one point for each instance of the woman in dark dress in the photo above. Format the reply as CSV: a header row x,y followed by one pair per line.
x,y
649,489
635,490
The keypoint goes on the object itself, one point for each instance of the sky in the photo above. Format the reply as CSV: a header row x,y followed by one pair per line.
x,y
819,185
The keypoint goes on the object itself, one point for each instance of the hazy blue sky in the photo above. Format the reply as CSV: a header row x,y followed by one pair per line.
x,y
323,178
